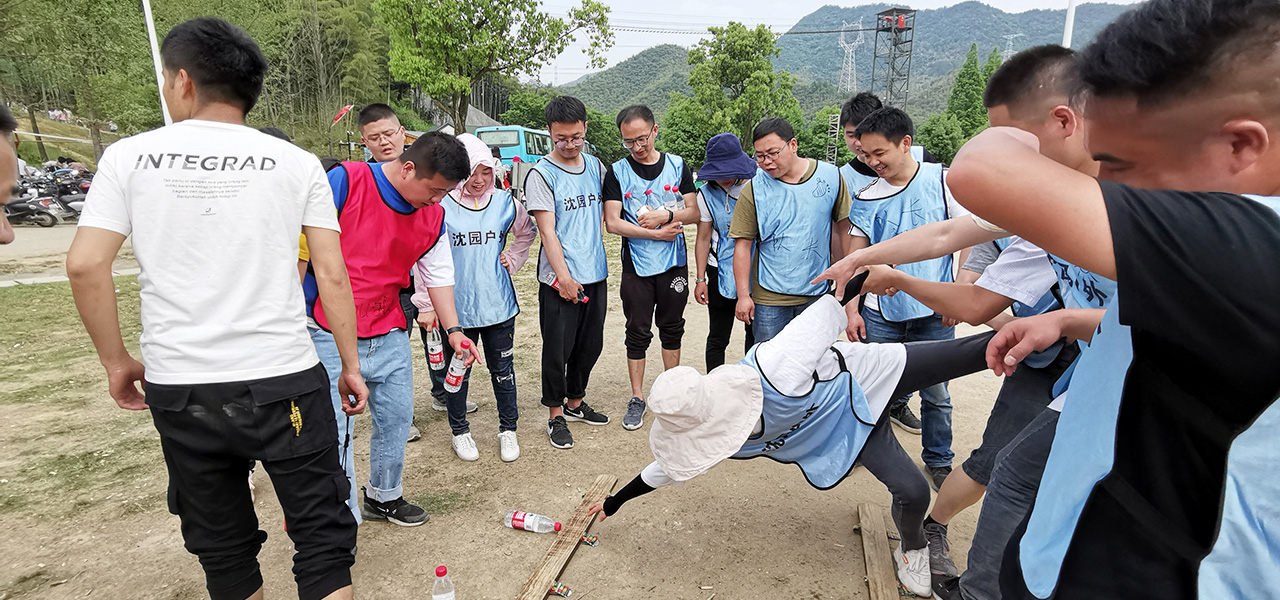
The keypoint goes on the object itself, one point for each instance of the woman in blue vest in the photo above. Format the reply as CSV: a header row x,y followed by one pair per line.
x,y
479,218
805,398
726,171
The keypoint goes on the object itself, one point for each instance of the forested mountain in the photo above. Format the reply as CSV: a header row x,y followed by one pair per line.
x,y
646,78
943,36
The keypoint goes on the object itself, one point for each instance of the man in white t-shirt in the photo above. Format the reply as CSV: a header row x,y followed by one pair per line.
x,y
214,209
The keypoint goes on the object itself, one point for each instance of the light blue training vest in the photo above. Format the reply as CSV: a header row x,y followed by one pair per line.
x,y
822,432
579,212
856,181
483,293
795,230
1242,560
721,206
921,202
650,257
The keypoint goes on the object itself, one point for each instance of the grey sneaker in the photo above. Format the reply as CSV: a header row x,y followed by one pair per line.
x,y
439,405
940,563
937,475
414,434
902,416
585,414
634,419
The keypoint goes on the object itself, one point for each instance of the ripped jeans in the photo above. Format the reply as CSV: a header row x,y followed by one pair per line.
x,y
498,342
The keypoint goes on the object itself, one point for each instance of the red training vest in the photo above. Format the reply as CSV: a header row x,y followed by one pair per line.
x,y
380,247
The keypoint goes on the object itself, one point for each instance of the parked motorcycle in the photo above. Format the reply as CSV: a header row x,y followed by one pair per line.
x,y
30,211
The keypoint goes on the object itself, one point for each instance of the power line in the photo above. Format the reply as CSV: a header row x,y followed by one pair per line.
x,y
705,32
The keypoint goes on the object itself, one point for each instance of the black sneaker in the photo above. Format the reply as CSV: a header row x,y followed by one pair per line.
x,y
398,511
940,563
902,416
946,588
937,475
585,414
558,432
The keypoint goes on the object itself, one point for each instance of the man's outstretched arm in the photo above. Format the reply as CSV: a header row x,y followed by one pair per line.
x,y
998,170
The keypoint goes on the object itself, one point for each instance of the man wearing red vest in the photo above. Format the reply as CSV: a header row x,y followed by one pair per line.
x,y
390,223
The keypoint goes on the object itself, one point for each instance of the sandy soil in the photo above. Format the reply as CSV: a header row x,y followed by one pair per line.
x,y
43,251
748,529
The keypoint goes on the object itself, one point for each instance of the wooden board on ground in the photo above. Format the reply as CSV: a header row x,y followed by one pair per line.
x,y
567,541
882,578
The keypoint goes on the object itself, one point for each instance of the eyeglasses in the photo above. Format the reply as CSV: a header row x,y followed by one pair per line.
x,y
575,142
768,156
378,137
641,141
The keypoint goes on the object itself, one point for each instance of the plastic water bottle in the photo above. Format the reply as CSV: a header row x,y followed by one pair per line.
x,y
518,519
555,285
457,369
435,349
671,200
442,589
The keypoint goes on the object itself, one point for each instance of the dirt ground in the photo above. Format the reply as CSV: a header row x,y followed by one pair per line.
x,y
43,251
82,512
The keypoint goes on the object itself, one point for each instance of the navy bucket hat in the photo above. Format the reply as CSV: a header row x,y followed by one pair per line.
x,y
726,160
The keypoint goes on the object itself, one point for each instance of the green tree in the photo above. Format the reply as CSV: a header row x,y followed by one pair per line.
x,y
943,135
817,136
994,60
445,47
603,134
965,103
732,75
528,106
686,128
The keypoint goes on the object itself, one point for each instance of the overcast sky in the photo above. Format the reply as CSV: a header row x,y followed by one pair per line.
x,y
699,14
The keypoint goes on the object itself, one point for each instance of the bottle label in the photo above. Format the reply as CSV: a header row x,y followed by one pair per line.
x,y
517,520
453,379
437,356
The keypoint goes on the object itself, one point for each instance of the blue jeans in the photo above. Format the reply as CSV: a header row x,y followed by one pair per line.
x,y
771,319
935,403
386,364
498,342
1015,480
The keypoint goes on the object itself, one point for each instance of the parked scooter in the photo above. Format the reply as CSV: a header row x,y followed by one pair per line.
x,y
30,211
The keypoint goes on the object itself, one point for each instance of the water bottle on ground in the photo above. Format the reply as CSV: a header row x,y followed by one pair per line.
x,y
435,349
518,519
457,369
442,589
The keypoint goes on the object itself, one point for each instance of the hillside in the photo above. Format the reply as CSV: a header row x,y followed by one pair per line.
x,y
646,78
943,38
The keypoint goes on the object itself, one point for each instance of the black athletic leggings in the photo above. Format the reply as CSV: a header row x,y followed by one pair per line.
x,y
721,317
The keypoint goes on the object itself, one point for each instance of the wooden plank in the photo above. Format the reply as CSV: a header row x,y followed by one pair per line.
x,y
882,578
566,541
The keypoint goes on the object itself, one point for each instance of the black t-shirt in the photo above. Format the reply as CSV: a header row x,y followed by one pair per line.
x,y
613,191
1199,287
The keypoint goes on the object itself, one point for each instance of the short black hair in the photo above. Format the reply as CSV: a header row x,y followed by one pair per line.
x,y
1165,49
1030,77
437,152
224,62
375,112
776,125
858,107
8,124
276,132
565,109
892,123
633,112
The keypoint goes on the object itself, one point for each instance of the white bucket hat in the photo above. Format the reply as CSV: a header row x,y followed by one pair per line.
x,y
700,420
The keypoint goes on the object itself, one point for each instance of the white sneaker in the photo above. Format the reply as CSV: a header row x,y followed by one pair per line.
x,y
913,570
465,447
509,447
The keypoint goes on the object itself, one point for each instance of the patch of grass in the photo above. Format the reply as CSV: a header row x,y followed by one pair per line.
x,y
68,394
88,477
440,504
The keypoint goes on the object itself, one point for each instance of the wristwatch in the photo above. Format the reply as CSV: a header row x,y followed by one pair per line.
x,y
453,330
699,279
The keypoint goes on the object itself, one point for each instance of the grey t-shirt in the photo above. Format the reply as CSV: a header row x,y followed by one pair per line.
x,y
981,257
538,196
